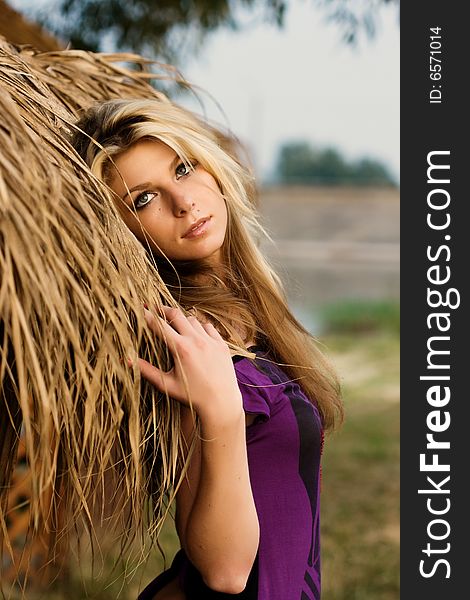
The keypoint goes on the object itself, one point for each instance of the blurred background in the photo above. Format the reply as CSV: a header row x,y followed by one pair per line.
x,y
311,87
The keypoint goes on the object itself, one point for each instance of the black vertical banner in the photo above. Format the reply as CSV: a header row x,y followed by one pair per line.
x,y
435,252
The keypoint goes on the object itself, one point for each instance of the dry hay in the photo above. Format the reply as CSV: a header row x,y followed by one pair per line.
x,y
72,284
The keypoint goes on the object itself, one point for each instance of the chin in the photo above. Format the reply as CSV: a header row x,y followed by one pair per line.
x,y
207,254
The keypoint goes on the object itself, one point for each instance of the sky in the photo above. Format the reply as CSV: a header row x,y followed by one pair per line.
x,y
300,83
303,83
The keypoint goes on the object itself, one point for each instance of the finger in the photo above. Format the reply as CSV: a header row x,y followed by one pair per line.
x,y
163,381
196,324
212,331
159,326
177,320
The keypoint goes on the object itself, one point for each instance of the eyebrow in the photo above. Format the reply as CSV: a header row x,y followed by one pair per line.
x,y
146,184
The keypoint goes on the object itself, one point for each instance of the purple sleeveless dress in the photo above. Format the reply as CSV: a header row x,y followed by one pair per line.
x,y
284,446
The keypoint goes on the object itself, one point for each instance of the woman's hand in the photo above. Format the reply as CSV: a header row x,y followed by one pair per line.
x,y
216,514
203,372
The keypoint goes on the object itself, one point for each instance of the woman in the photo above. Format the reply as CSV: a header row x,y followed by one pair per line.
x,y
247,512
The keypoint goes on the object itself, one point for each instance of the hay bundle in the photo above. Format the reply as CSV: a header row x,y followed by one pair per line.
x,y
72,284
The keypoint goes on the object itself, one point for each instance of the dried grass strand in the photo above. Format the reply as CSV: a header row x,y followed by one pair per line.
x,y
72,284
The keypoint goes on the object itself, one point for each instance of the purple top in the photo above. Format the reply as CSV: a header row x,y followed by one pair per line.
x,y
284,447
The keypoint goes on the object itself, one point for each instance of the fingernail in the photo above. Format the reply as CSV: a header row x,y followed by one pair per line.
x,y
146,305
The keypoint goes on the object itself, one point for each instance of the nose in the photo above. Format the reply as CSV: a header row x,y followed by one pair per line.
x,y
181,201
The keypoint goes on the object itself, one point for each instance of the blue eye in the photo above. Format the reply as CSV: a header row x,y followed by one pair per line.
x,y
143,199
184,169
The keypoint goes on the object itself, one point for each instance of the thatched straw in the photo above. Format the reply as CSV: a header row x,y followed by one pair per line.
x,y
72,284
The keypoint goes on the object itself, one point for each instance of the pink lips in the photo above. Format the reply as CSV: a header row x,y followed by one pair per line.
x,y
197,228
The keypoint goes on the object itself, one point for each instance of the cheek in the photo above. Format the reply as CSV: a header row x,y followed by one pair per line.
x,y
156,227
225,210
226,220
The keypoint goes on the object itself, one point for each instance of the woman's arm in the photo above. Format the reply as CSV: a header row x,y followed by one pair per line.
x,y
188,488
217,519
216,514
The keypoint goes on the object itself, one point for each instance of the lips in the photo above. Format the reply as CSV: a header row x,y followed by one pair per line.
x,y
196,228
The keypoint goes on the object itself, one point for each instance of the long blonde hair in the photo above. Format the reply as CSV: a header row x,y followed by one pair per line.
x,y
246,294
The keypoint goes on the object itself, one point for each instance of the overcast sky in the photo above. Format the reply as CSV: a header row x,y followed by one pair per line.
x,y
303,83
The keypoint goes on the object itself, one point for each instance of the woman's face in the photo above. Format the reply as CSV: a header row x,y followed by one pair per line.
x,y
181,212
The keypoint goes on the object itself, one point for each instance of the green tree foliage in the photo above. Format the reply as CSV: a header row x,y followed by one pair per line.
x,y
299,162
170,29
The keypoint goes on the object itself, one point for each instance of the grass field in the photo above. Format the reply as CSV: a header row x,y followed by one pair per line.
x,y
360,497
360,484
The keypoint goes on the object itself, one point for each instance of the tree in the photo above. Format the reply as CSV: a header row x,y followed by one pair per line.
x,y
171,28
371,172
299,163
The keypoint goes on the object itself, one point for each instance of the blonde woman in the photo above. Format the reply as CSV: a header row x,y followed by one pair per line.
x,y
255,391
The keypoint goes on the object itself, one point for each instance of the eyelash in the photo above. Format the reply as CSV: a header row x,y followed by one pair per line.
x,y
153,194
141,196
191,167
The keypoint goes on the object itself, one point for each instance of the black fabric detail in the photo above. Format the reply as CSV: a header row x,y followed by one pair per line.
x,y
195,588
311,584
164,578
